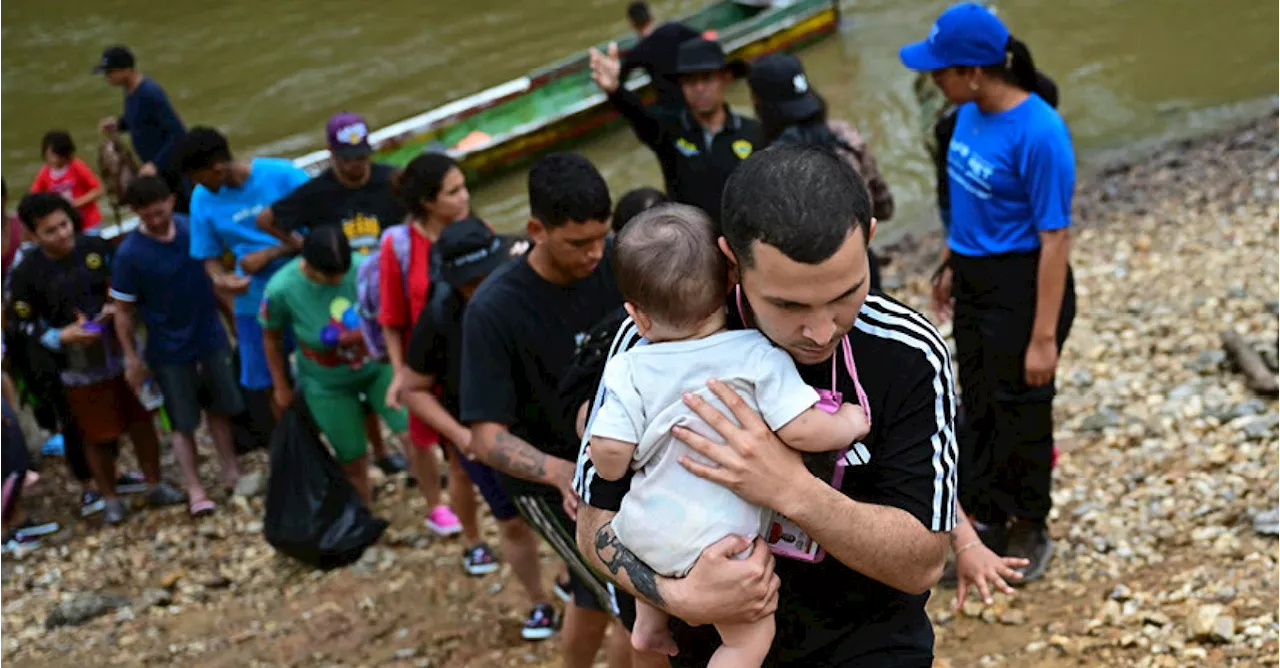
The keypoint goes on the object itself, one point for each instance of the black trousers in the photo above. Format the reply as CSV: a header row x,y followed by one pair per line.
x,y
1006,438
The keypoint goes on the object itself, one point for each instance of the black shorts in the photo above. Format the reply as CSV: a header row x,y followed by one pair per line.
x,y
209,383
589,589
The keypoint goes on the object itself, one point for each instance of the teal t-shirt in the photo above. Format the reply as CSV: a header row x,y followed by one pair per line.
x,y
325,323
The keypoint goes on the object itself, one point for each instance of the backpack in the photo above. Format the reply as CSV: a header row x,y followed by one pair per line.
x,y
368,294
582,377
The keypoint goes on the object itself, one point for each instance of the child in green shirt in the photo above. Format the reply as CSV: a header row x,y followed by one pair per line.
x,y
315,296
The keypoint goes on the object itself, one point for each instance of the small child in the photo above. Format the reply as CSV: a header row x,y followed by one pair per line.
x,y
65,174
674,280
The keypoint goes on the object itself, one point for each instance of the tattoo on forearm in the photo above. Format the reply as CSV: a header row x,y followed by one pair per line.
x,y
513,456
643,578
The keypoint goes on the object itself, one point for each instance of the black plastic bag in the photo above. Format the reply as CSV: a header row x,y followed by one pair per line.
x,y
313,513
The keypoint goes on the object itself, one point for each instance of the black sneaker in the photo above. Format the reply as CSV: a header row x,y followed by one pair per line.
x,y
90,504
35,529
163,494
131,483
393,463
994,536
14,545
542,623
479,560
1029,539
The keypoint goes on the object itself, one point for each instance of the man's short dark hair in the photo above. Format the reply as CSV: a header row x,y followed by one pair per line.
x,y
145,191
667,263
802,200
60,142
35,207
566,187
638,13
202,148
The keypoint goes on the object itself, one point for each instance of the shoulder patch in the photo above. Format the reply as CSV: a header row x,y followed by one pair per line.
x,y
742,148
23,309
93,261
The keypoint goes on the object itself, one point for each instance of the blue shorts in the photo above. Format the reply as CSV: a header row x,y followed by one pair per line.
x,y
254,372
501,505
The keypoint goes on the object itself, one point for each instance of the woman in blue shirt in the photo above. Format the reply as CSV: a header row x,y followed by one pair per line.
x,y
1005,275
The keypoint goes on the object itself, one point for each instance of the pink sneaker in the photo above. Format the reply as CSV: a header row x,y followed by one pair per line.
x,y
442,521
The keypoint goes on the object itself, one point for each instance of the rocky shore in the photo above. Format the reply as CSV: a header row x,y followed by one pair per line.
x,y
1167,459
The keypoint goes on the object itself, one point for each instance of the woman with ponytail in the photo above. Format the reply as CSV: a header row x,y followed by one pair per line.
x,y
1005,275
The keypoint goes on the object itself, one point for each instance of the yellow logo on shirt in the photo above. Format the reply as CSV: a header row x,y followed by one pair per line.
x,y
93,261
361,227
742,148
23,309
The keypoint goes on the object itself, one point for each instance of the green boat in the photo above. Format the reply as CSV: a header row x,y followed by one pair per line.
x,y
509,124
552,107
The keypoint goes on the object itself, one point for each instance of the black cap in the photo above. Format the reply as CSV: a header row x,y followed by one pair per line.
x,y
703,55
469,250
327,250
778,79
114,58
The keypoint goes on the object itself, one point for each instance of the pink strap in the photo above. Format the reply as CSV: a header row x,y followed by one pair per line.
x,y
853,373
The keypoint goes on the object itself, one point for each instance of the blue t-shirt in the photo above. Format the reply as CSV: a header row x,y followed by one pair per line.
x,y
1012,175
152,123
225,220
172,293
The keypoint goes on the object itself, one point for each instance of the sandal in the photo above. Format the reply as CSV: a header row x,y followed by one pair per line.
x,y
201,508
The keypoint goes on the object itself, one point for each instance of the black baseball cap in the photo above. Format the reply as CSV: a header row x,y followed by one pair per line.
x,y
703,55
469,251
779,80
115,58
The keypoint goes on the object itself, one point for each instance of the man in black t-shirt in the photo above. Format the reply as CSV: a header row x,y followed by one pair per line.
x,y
795,225
655,53
353,192
357,194
469,251
520,330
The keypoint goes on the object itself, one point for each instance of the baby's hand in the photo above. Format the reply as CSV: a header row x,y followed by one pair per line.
x,y
855,416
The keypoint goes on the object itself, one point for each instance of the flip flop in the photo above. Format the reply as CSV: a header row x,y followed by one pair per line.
x,y
202,507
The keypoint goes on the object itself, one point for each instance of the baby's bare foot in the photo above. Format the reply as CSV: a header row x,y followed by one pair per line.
x,y
654,640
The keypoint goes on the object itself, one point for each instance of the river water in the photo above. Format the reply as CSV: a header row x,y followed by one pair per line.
x,y
270,73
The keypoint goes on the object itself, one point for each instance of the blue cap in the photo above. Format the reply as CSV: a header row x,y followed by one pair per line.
x,y
966,35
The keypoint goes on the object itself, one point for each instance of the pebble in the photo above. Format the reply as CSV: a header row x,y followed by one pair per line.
x,y
82,608
251,484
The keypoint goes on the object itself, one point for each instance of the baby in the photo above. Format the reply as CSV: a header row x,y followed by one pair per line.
x,y
674,280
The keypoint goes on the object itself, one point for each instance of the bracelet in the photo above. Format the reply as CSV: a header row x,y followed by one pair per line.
x,y
968,545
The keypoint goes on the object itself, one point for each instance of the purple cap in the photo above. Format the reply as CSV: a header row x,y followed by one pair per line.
x,y
348,136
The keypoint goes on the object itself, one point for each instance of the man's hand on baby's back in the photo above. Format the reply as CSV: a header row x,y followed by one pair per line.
x,y
724,589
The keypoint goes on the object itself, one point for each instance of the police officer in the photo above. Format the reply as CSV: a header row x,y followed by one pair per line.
x,y
699,148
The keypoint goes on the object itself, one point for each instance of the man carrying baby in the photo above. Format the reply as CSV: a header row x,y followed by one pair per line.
x,y
794,228
674,278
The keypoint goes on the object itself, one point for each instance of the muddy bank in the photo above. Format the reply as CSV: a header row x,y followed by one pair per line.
x,y
1167,457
